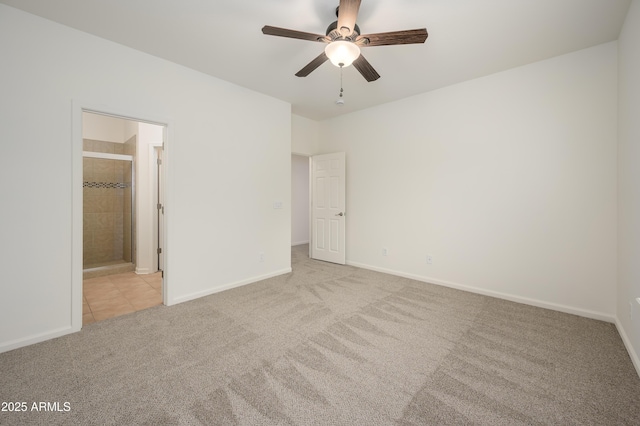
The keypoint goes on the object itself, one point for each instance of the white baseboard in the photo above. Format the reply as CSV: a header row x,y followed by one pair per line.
x,y
143,271
635,359
299,243
627,344
513,298
36,338
228,286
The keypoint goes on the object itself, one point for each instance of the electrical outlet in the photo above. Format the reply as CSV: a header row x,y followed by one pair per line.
x,y
429,259
261,257
385,251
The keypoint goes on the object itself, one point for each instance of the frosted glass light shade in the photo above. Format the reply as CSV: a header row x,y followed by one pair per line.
x,y
342,52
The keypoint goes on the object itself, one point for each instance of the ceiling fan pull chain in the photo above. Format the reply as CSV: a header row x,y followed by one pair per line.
x,y
340,101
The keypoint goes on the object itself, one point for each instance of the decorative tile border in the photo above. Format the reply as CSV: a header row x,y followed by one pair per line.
x,y
105,185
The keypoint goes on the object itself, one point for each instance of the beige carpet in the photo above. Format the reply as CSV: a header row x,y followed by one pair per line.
x,y
330,345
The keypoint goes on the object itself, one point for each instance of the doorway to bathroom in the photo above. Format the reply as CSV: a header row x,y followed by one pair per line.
x,y
122,215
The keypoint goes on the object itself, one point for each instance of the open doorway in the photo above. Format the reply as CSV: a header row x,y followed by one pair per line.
x,y
299,200
318,188
121,227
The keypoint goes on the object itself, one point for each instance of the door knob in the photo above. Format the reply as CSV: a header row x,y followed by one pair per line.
x,y
340,214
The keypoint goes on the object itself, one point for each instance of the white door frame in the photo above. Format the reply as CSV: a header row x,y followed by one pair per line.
x,y
78,107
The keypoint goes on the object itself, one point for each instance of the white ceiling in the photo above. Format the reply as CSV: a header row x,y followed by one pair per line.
x,y
223,38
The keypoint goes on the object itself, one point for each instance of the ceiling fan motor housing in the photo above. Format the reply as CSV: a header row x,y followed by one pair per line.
x,y
333,28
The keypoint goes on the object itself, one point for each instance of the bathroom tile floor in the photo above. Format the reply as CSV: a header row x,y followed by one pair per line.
x,y
114,295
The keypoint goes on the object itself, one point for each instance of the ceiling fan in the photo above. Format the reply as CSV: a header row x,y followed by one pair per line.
x,y
344,40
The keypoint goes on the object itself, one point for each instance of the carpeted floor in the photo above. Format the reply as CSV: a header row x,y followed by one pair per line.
x,y
330,345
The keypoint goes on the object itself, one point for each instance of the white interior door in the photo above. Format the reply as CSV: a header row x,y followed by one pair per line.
x,y
328,207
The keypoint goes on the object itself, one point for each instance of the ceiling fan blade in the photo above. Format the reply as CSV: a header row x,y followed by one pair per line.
x,y
321,59
347,15
393,37
365,68
300,35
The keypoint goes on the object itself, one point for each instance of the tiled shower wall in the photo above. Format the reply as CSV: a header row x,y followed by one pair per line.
x,y
107,209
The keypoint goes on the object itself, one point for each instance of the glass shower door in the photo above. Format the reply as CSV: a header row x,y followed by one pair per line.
x,y
108,210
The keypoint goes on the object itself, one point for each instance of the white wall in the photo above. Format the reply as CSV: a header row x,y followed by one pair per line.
x,y
222,175
508,181
629,183
304,135
104,128
299,200
130,130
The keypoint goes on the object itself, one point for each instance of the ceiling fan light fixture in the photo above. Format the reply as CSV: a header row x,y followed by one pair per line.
x,y
342,53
